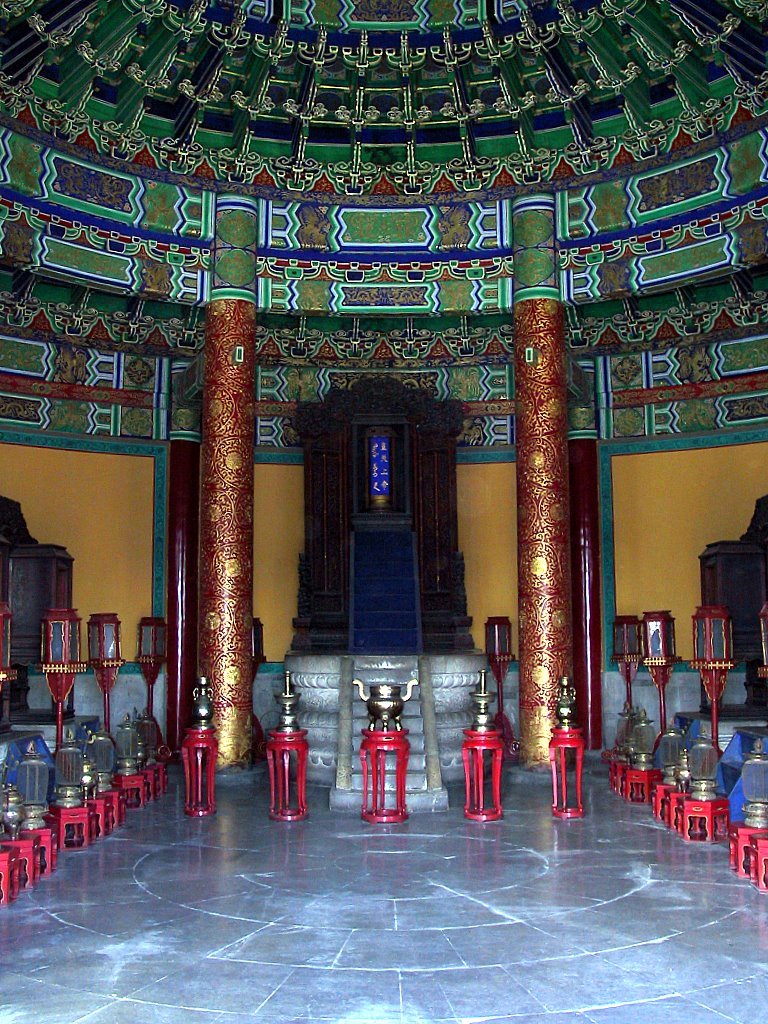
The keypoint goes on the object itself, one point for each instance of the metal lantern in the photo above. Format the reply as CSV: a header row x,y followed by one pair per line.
x,y
32,778
152,649
641,742
703,759
670,746
104,654
754,782
713,656
12,810
628,648
127,744
659,654
69,773
762,670
60,658
683,772
147,735
498,649
101,753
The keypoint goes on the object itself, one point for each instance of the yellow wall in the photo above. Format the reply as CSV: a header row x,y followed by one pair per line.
x,y
99,507
278,538
487,504
667,506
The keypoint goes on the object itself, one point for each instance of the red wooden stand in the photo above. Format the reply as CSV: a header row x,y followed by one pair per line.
x,y
739,836
704,821
116,798
149,784
473,750
9,873
562,741
199,750
617,771
281,749
660,801
159,778
72,826
49,848
674,819
639,783
133,788
101,807
374,749
758,860
27,848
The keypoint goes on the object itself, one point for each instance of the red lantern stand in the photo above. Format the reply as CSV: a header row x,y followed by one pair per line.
x,y
117,800
565,740
61,658
704,821
474,748
758,860
627,649
713,647
284,749
739,844
27,848
498,649
659,657
639,784
104,654
72,826
199,750
375,748
662,792
151,656
9,873
49,848
103,814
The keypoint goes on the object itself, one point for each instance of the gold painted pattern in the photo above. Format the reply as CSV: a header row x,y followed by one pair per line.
x,y
226,524
543,528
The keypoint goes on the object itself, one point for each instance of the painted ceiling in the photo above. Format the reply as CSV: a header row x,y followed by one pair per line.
x,y
383,94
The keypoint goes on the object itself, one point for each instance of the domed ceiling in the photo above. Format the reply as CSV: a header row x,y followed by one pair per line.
x,y
383,95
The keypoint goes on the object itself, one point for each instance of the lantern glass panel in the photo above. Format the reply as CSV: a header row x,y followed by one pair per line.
x,y
619,647
703,760
74,640
701,640
159,642
127,740
32,779
633,640
146,642
670,747
643,737
93,641
69,766
754,780
5,639
669,632
655,638
764,631
102,752
110,640
718,639
57,641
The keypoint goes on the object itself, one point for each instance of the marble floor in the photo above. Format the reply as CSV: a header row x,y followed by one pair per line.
x,y
233,918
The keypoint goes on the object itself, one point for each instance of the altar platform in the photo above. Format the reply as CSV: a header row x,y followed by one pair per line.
x,y
235,919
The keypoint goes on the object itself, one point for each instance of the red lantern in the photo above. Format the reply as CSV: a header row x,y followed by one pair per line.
x,y
628,648
104,654
659,655
498,649
151,645
713,654
60,659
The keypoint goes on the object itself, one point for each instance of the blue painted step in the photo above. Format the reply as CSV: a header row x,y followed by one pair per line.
x,y
385,594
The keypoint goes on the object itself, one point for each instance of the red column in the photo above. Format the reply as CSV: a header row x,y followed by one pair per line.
x,y
585,584
183,535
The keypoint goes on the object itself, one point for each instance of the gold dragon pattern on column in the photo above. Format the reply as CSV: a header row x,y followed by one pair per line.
x,y
542,482
226,523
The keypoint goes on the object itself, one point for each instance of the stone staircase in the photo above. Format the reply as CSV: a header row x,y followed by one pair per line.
x,y
424,787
